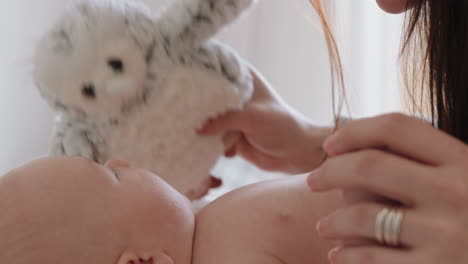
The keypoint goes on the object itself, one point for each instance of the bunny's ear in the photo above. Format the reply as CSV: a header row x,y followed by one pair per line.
x,y
62,37
187,24
140,23
65,34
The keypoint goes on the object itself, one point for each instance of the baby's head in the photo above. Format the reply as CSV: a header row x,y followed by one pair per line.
x,y
71,210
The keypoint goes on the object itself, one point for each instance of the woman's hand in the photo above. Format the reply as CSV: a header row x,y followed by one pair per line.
x,y
270,134
411,163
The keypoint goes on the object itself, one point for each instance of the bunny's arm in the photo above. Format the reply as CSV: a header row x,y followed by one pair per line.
x,y
73,139
188,23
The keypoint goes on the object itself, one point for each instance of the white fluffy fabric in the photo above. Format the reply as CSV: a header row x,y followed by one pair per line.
x,y
161,136
129,83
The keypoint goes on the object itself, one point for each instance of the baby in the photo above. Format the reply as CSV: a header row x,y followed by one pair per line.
x,y
71,210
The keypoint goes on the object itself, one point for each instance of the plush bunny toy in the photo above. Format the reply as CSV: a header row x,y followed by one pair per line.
x,y
134,85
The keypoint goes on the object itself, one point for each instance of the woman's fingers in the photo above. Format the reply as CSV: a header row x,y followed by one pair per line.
x,y
231,121
372,255
261,160
399,134
230,140
376,172
359,222
215,182
244,120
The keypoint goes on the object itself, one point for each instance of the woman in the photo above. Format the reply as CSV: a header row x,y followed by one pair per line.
x,y
417,174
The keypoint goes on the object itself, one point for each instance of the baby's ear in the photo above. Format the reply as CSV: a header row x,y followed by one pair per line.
x,y
127,258
162,258
132,258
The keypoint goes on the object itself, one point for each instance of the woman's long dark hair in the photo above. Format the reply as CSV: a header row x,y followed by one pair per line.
x,y
435,62
434,59
336,68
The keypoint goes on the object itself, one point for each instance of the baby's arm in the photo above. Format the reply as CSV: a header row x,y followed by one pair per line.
x,y
267,223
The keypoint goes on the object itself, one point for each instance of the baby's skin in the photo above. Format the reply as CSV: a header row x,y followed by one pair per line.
x,y
71,210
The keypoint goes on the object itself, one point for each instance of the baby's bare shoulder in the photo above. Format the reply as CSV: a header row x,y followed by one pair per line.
x,y
271,222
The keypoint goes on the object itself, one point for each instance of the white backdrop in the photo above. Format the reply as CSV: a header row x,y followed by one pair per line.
x,y
277,36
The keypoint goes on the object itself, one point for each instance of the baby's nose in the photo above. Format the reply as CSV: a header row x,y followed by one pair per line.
x,y
117,164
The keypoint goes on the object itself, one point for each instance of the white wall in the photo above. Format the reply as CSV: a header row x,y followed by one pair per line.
x,y
278,37
288,48
283,39
370,42
25,120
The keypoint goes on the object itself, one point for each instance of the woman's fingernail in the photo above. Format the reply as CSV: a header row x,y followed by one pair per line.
x,y
202,130
216,183
333,254
329,143
313,181
205,127
322,225
230,153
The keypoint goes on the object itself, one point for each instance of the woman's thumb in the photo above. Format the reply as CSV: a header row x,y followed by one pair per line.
x,y
228,122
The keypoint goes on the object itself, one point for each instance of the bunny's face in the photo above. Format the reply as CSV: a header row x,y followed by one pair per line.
x,y
94,59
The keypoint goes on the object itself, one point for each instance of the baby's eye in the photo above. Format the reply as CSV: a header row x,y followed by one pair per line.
x,y
89,91
116,65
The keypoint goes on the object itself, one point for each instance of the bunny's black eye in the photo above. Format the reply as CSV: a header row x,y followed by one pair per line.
x,y
116,65
89,91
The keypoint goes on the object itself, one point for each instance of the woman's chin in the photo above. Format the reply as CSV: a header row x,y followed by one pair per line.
x,y
393,6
